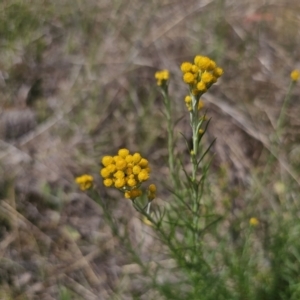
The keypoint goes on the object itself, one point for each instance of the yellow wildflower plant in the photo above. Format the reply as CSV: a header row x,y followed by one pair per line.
x,y
162,77
126,172
85,181
199,75
295,75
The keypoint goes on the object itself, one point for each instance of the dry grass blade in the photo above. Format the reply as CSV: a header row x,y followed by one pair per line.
x,y
6,242
13,214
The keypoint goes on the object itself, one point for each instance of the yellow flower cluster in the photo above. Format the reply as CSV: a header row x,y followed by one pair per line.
x,y
200,75
85,182
295,75
162,77
125,172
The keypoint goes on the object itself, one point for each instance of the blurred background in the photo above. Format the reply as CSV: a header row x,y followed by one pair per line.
x,y
77,82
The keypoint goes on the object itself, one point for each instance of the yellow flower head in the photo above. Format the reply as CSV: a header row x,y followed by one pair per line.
x,y
123,152
136,158
188,78
200,104
195,69
188,99
111,168
218,72
129,171
151,192
107,160
136,169
202,62
295,75
131,182
85,182
108,182
254,222
120,183
129,158
186,67
162,77
105,172
188,102
143,175
212,65
201,86
133,194
121,164
207,78
119,174
143,163
152,188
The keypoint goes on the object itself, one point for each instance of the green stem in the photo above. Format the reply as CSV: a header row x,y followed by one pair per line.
x,y
167,103
283,109
275,144
194,124
194,119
